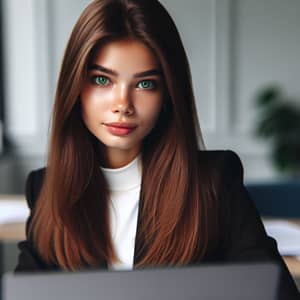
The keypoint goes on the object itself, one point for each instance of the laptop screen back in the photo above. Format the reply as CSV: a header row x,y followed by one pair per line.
x,y
234,282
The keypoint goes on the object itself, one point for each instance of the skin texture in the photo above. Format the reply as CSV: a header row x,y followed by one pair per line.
x,y
125,96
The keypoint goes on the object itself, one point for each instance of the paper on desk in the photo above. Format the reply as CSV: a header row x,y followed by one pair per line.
x,y
286,234
13,211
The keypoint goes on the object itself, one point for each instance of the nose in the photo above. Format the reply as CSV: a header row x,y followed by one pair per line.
x,y
122,103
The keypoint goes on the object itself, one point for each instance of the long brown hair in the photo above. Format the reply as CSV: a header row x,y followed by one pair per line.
x,y
177,216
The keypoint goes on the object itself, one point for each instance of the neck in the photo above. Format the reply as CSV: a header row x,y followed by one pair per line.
x,y
116,158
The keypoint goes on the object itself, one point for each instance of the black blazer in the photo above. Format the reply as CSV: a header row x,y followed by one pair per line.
x,y
243,237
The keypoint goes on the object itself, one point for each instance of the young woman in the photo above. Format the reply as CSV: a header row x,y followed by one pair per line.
x,y
128,182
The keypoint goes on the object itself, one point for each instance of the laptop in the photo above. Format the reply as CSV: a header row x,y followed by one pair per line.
x,y
234,282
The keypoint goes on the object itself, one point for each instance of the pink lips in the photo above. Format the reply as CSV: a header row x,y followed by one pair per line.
x,y
120,128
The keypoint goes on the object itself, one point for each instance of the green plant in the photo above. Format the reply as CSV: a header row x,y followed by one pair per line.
x,y
280,123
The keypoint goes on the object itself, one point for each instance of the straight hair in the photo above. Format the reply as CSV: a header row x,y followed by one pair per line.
x,y
70,226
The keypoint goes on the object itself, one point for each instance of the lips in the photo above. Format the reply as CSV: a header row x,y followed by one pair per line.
x,y
120,128
121,125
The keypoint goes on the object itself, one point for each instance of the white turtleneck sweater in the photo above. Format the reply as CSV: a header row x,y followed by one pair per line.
x,y
124,185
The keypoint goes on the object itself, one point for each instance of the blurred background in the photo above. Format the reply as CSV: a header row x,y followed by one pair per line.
x,y
244,57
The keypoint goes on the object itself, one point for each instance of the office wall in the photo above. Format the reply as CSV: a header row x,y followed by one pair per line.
x,y
235,47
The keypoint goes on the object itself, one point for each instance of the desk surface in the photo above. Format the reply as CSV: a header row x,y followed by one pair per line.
x,y
16,232
12,232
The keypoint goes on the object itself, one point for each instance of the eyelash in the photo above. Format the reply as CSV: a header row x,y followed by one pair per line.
x,y
154,83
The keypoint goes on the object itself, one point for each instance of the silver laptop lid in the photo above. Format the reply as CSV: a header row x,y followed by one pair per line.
x,y
234,282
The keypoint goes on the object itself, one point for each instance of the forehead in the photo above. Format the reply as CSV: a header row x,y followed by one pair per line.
x,y
128,56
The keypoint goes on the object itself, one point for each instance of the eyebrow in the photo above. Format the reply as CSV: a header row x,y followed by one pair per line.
x,y
151,72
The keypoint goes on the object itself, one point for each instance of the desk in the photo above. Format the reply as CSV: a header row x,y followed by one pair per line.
x,y
12,232
16,232
293,265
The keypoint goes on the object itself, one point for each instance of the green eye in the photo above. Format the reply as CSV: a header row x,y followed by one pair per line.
x,y
101,80
146,84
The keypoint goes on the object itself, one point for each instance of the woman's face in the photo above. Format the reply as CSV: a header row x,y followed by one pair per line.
x,y
122,98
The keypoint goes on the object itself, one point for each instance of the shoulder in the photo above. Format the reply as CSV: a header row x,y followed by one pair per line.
x,y
33,185
219,156
223,162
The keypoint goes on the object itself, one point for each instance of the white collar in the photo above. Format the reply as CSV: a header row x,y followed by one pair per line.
x,y
125,178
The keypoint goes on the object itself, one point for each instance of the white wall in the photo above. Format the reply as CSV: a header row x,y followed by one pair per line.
x,y
25,75
265,49
235,47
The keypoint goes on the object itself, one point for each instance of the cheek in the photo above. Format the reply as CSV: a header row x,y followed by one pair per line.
x,y
91,107
86,110
150,111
